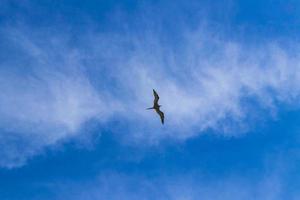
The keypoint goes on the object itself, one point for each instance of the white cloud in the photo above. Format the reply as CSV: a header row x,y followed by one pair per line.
x,y
46,101
54,84
207,82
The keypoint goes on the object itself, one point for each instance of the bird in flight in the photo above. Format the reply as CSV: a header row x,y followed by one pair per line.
x,y
156,107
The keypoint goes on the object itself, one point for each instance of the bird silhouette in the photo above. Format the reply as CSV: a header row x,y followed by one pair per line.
x,y
156,107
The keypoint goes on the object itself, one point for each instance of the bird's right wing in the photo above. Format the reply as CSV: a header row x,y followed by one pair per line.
x,y
162,116
156,97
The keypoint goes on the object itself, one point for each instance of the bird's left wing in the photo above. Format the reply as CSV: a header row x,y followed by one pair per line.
x,y
156,97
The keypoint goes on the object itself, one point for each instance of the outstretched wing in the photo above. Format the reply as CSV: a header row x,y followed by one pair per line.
x,y
162,116
156,97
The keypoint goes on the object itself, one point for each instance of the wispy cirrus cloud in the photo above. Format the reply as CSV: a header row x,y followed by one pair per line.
x,y
52,83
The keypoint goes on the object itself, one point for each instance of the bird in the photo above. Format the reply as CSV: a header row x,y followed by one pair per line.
x,y
156,107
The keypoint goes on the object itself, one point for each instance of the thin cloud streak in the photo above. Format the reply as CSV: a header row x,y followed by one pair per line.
x,y
185,187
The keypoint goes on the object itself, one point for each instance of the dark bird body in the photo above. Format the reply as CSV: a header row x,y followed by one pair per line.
x,y
156,107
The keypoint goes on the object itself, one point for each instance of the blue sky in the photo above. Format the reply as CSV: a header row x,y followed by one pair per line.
x,y
76,77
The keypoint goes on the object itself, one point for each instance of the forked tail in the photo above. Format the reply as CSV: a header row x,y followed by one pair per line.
x,y
150,108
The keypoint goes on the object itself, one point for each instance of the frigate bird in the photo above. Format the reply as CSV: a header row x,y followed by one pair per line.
x,y
156,107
